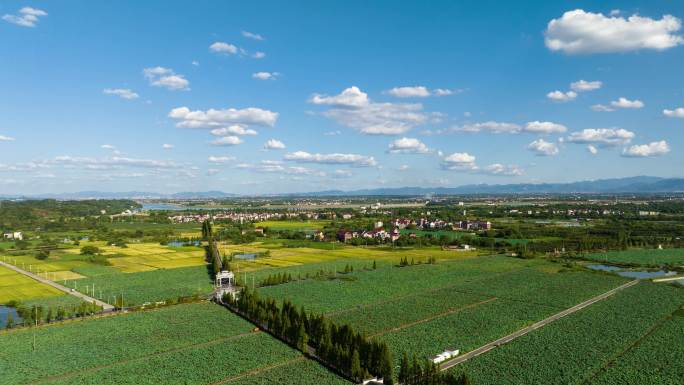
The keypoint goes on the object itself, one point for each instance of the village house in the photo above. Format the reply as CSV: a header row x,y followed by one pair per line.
x,y
15,235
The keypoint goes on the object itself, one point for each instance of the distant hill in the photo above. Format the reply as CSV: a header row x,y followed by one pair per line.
x,y
636,185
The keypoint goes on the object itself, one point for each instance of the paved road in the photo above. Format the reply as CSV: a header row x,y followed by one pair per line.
x,y
105,306
483,349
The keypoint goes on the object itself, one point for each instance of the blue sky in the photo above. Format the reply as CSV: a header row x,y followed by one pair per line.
x,y
267,97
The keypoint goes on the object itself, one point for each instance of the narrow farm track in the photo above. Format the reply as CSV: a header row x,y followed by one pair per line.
x,y
503,340
259,370
428,319
67,375
105,306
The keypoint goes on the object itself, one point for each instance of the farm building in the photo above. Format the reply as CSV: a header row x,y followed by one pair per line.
x,y
16,235
445,355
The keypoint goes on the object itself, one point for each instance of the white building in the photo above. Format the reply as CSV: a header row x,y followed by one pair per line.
x,y
445,355
16,235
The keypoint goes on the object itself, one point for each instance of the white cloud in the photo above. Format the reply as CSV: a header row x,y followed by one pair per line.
x,y
195,63
626,103
462,161
221,159
351,97
234,129
227,141
166,78
560,96
265,75
602,108
543,148
538,127
274,144
332,133
167,146
489,126
335,158
502,170
459,161
403,167
419,92
580,32
213,171
583,85
342,173
408,146
27,17
123,93
258,55
353,108
409,92
4,138
269,166
216,118
592,149
115,161
676,113
252,35
223,48
647,150
602,136
108,147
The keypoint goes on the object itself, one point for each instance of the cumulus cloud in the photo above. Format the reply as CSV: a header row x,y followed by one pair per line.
x,y
221,159
26,17
502,170
335,158
258,55
407,146
234,129
227,141
252,35
592,149
601,136
123,93
626,103
274,144
647,150
353,108
562,97
4,138
676,113
538,127
459,161
418,92
223,48
581,32
166,78
108,147
213,118
167,146
584,86
543,148
265,75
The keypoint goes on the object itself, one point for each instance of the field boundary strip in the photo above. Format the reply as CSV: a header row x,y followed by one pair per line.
x,y
141,358
258,371
651,329
433,317
419,293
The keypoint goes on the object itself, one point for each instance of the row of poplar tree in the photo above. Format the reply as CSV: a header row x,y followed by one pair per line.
x,y
339,346
414,373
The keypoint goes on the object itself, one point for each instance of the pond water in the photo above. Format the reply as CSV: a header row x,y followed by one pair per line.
x,y
182,243
6,311
640,274
245,256
161,206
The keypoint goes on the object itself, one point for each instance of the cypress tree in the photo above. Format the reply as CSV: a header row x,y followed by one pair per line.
x,y
355,369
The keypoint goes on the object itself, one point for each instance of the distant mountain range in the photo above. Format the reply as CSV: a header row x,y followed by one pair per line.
x,y
636,185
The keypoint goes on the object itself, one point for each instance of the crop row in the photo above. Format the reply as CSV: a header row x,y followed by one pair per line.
x,y
573,349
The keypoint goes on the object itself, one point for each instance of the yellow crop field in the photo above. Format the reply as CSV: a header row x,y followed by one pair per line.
x,y
18,287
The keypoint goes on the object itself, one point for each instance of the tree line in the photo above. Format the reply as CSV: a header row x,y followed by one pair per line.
x,y
339,346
